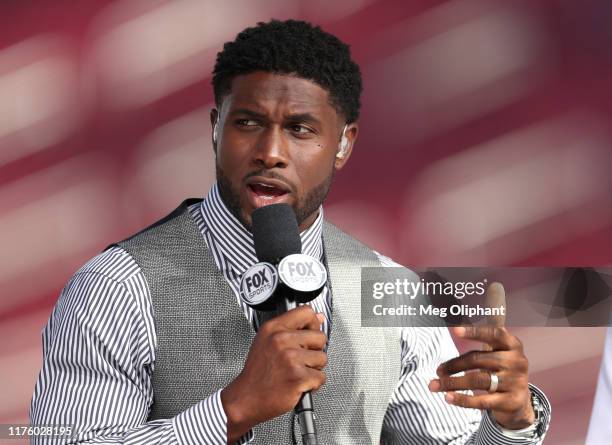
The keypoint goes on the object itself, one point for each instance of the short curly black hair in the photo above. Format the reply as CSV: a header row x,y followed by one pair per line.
x,y
292,47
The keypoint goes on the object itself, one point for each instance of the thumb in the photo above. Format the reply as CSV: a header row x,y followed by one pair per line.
x,y
495,298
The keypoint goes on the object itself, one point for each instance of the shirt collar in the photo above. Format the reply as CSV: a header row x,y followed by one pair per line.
x,y
236,242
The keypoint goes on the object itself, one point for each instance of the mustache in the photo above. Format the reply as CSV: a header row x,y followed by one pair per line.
x,y
268,174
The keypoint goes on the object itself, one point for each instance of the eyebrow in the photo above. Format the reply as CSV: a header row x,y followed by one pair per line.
x,y
247,112
304,117
297,117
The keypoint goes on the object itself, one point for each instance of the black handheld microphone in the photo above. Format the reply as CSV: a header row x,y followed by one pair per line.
x,y
300,279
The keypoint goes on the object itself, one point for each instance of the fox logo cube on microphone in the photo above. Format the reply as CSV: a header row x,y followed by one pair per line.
x,y
283,278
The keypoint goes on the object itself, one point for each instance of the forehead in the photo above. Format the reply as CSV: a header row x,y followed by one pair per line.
x,y
269,93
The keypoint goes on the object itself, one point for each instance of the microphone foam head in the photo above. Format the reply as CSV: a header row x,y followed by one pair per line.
x,y
275,232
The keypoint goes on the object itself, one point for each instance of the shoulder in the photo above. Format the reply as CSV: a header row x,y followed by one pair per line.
x,y
114,263
344,244
348,244
110,279
331,230
187,211
105,306
393,266
385,261
109,290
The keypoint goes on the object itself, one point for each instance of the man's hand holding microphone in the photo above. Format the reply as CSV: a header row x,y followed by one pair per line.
x,y
286,359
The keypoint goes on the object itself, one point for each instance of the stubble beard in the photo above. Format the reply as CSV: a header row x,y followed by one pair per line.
x,y
303,208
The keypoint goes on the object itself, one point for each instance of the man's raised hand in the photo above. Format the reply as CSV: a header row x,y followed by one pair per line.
x,y
502,355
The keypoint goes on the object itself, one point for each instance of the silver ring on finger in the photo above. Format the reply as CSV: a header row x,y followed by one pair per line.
x,y
494,383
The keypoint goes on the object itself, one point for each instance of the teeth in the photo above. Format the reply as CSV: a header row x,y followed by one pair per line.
x,y
266,185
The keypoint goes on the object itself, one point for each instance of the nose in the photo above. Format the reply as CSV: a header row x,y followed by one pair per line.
x,y
271,149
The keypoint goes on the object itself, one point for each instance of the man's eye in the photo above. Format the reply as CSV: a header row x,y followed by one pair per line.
x,y
301,129
247,123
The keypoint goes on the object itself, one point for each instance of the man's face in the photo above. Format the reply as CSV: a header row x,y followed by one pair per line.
x,y
277,141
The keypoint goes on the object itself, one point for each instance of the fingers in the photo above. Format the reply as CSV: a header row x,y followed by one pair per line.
x,y
285,360
502,354
476,380
320,317
498,402
314,380
491,361
496,298
302,317
314,359
309,339
305,368
498,338
306,339
298,328
482,401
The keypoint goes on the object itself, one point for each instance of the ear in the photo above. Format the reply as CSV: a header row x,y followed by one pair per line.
x,y
351,133
214,119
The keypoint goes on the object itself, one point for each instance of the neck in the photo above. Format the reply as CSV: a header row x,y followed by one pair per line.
x,y
309,221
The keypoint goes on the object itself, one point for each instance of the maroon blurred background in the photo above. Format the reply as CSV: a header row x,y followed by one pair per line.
x,y
485,140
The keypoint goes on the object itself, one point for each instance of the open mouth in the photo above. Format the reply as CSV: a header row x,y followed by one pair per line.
x,y
266,191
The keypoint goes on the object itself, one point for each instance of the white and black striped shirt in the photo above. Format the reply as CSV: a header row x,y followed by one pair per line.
x,y
99,352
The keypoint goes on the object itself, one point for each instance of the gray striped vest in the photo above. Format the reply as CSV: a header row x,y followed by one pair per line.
x,y
203,335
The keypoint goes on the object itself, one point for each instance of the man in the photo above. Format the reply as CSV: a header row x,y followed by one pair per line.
x,y
151,343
